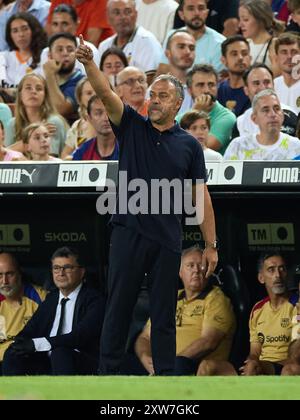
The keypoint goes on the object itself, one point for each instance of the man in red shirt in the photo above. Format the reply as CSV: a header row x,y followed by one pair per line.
x,y
92,18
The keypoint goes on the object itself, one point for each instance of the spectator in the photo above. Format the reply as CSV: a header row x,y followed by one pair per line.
x,y
257,78
113,60
202,83
140,46
198,125
62,338
81,129
270,324
92,18
205,321
269,143
5,114
280,9
37,8
131,88
287,86
104,146
6,154
294,25
150,241
37,141
18,301
236,58
157,16
180,51
258,25
223,17
65,19
26,39
208,41
61,75
34,105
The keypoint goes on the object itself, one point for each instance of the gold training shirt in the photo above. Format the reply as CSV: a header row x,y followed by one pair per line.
x,y
272,328
210,308
14,318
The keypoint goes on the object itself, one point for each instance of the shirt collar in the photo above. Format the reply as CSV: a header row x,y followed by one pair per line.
x,y
202,295
72,296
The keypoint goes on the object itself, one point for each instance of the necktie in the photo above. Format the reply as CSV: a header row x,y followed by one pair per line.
x,y
62,315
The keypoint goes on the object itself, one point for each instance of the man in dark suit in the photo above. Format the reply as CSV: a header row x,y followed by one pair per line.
x,y
62,338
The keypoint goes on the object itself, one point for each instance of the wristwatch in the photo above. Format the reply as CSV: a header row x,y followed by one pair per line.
x,y
213,244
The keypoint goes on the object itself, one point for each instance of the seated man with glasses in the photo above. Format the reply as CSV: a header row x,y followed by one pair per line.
x,y
205,321
18,301
62,338
131,86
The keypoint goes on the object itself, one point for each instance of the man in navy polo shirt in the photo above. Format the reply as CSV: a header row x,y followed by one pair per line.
x,y
150,148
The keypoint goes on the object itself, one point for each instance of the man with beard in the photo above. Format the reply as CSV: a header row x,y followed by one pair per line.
x,y
208,41
149,240
18,301
270,324
287,86
269,143
104,146
61,75
180,51
236,58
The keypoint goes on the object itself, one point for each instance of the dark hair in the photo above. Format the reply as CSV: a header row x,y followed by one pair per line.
x,y
38,36
288,38
230,40
66,252
66,8
190,117
265,256
1,125
293,5
181,4
113,51
200,68
173,34
92,99
64,35
256,66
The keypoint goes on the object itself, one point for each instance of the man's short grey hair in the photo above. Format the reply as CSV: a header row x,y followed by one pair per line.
x,y
111,1
175,82
194,248
263,94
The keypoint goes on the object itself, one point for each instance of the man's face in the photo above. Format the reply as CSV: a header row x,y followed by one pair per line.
x,y
163,103
285,56
181,52
99,119
274,275
191,273
63,51
132,86
203,84
10,277
67,275
194,14
122,16
258,80
62,22
268,115
237,58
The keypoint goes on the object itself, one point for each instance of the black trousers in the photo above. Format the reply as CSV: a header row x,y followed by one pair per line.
x,y
62,361
131,256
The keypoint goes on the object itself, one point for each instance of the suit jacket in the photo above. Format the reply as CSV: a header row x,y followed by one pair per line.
x,y
87,322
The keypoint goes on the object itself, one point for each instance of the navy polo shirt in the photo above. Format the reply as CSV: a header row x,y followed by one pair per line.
x,y
147,154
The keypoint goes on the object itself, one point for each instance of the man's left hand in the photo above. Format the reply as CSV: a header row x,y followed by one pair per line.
x,y
209,261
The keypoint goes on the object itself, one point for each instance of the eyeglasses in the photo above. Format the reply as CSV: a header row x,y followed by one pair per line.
x,y
131,81
66,268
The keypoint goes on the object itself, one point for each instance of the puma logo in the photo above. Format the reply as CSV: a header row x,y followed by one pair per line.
x,y
28,174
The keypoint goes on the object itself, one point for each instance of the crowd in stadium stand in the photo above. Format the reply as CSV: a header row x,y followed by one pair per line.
x,y
239,64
